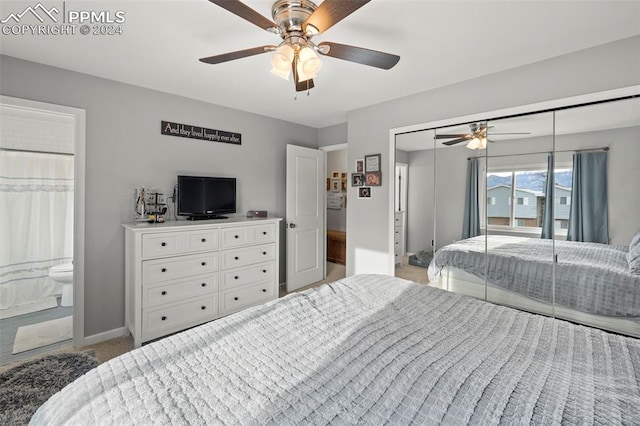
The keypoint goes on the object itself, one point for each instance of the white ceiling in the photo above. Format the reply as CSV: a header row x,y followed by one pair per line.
x,y
439,42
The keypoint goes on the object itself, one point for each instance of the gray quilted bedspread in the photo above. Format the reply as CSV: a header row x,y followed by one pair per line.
x,y
590,277
365,350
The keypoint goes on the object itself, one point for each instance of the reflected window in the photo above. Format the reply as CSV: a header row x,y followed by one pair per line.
x,y
516,198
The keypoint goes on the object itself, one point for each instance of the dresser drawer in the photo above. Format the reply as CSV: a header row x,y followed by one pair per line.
x,y
178,267
264,233
155,295
158,245
234,237
201,240
161,320
234,300
242,276
247,256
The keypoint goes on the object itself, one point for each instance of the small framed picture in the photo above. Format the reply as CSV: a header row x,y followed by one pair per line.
x,y
364,192
328,184
373,178
372,163
357,179
336,185
360,166
335,175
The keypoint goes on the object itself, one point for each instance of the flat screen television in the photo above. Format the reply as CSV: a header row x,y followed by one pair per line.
x,y
201,197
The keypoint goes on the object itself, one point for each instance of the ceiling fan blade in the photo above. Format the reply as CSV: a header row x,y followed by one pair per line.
x,y
455,141
329,13
245,12
449,136
225,57
360,55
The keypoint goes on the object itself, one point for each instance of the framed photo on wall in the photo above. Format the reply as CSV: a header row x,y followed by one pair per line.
x,y
373,178
364,192
357,179
360,166
335,174
372,163
336,184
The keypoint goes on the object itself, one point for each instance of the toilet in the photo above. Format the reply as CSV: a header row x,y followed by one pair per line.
x,y
64,274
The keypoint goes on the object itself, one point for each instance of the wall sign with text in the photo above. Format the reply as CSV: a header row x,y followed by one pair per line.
x,y
202,133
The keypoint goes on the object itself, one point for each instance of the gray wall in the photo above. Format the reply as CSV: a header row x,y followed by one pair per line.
x,y
124,150
332,135
368,128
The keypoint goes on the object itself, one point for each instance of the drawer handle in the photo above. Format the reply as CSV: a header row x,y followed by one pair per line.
x,y
264,271
264,252
264,232
235,298
203,284
264,290
236,258
236,236
164,293
204,240
163,244
164,269
203,307
204,263
236,277
163,318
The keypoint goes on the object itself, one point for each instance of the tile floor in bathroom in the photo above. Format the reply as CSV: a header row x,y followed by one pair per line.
x,y
9,327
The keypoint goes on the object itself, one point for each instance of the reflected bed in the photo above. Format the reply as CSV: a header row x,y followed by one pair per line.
x,y
593,284
367,349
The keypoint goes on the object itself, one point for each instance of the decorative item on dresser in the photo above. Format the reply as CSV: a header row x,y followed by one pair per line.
x,y
398,236
181,274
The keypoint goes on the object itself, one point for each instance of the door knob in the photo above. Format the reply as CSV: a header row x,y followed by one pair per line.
x,y
292,225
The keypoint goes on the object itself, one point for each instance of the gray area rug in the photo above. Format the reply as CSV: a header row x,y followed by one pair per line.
x,y
25,387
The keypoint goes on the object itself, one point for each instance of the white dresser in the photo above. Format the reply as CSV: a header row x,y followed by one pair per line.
x,y
180,274
398,236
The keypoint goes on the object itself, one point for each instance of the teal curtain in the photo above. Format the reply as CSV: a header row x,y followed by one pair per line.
x,y
588,214
471,223
549,202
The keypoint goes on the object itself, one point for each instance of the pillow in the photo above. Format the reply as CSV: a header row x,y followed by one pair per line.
x,y
633,257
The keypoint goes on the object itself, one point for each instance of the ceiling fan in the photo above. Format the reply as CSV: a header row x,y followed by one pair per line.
x,y
476,138
297,22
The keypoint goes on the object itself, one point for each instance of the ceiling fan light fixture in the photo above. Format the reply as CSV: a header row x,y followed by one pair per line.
x,y
281,61
477,143
308,63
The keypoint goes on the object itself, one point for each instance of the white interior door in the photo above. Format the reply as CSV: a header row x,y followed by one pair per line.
x,y
305,221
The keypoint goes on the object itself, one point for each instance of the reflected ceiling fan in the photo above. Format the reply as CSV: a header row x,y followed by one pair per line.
x,y
476,138
297,22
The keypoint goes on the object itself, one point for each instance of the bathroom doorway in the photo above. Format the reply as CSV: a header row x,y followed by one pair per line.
x,y
38,234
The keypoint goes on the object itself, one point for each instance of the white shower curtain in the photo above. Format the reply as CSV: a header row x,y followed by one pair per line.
x,y
36,228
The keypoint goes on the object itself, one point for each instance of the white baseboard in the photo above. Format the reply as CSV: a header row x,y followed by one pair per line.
x,y
104,336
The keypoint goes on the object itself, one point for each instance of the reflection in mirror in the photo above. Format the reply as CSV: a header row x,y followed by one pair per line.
x,y
519,261
597,214
414,212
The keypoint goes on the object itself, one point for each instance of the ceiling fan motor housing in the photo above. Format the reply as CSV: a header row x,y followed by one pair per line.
x,y
290,15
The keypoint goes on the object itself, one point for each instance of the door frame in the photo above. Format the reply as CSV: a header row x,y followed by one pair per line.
x,y
79,117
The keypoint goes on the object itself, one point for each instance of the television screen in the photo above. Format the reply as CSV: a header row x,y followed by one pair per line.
x,y
206,197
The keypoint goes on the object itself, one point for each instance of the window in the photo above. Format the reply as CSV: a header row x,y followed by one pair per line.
x,y
516,198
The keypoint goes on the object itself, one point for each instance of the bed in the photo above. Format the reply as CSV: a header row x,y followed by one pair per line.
x,y
367,349
593,284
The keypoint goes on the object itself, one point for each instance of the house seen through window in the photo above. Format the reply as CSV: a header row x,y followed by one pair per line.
x,y
516,198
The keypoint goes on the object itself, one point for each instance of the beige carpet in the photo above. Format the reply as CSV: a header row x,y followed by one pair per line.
x,y
43,334
412,272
